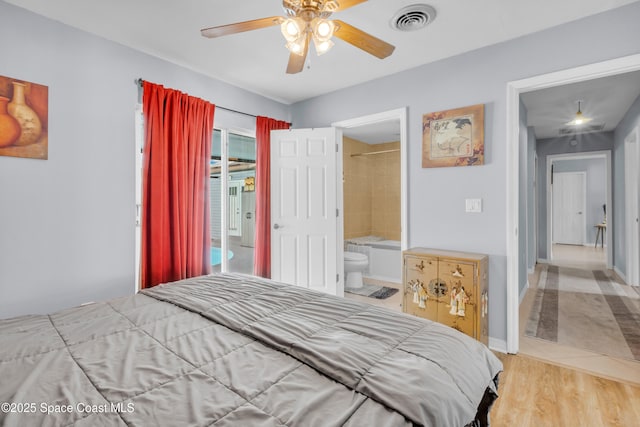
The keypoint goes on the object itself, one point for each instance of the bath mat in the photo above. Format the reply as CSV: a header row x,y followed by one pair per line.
x,y
586,309
373,291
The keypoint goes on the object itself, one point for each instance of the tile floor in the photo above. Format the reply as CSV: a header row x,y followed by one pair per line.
x,y
394,302
622,370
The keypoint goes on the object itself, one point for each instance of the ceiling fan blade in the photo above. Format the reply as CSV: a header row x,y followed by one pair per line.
x,y
346,4
362,40
240,27
296,62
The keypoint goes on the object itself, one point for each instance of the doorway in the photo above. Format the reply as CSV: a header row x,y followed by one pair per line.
x,y
514,89
373,203
585,224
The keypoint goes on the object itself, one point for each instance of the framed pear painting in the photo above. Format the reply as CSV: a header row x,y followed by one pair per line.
x,y
453,137
24,119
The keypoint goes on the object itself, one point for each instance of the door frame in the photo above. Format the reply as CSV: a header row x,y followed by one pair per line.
x,y
632,187
514,89
397,114
603,154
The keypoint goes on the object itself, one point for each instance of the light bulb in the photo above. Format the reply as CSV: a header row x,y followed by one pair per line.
x,y
294,48
322,46
324,29
292,28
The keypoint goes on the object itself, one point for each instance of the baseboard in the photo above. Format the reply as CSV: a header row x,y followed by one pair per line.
x,y
395,280
543,261
531,270
498,345
619,273
523,292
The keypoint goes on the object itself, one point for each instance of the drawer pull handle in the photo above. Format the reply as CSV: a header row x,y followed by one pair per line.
x,y
420,266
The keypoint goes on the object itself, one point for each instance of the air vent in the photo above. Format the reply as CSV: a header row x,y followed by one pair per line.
x,y
582,129
412,18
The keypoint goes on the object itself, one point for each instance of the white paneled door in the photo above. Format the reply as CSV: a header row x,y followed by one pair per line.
x,y
303,208
568,208
235,207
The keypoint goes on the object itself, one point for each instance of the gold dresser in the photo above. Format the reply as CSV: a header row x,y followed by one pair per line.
x,y
448,287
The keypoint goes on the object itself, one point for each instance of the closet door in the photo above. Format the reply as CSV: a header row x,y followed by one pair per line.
x,y
568,206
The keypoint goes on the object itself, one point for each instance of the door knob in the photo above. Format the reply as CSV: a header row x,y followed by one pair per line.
x,y
276,226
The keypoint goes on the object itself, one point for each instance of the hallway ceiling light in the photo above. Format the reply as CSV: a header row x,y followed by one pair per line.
x,y
579,119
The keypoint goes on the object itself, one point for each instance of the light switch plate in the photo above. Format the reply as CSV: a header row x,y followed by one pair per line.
x,y
473,205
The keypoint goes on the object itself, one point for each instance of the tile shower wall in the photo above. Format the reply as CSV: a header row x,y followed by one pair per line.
x,y
385,192
371,190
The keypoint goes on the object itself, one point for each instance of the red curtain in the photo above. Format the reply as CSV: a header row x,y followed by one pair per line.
x,y
175,196
262,244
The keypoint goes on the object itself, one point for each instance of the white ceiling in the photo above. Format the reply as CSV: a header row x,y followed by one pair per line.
x,y
604,100
257,60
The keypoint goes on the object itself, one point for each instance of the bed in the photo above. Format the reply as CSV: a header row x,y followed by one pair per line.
x,y
235,350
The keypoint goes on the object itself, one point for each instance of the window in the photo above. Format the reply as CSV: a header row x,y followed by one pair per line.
x,y
233,166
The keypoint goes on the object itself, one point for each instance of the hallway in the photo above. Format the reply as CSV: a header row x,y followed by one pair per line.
x,y
582,260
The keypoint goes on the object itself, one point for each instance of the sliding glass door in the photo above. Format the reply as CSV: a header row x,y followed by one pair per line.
x,y
232,187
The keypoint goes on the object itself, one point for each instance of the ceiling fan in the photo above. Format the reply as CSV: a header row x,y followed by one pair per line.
x,y
307,20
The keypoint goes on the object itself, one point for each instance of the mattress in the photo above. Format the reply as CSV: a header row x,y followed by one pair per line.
x,y
230,349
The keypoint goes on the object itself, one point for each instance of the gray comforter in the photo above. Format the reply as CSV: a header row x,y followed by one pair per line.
x,y
238,351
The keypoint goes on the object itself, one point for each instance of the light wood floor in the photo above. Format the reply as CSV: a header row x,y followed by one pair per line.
x,y
537,394
617,369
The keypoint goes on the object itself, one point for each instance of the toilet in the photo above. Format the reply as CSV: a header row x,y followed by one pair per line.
x,y
354,265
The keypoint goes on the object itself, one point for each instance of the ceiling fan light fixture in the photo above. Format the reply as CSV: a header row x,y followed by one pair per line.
x,y
298,46
292,28
322,47
323,29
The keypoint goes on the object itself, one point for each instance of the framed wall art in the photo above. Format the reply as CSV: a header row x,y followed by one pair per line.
x,y
24,119
453,137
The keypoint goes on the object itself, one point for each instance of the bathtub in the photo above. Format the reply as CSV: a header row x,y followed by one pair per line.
x,y
385,257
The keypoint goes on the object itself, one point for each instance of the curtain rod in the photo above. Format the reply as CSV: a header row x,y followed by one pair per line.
x,y
139,82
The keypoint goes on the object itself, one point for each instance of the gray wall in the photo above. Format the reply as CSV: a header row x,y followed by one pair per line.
x,y
630,121
588,142
436,196
67,223
596,182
